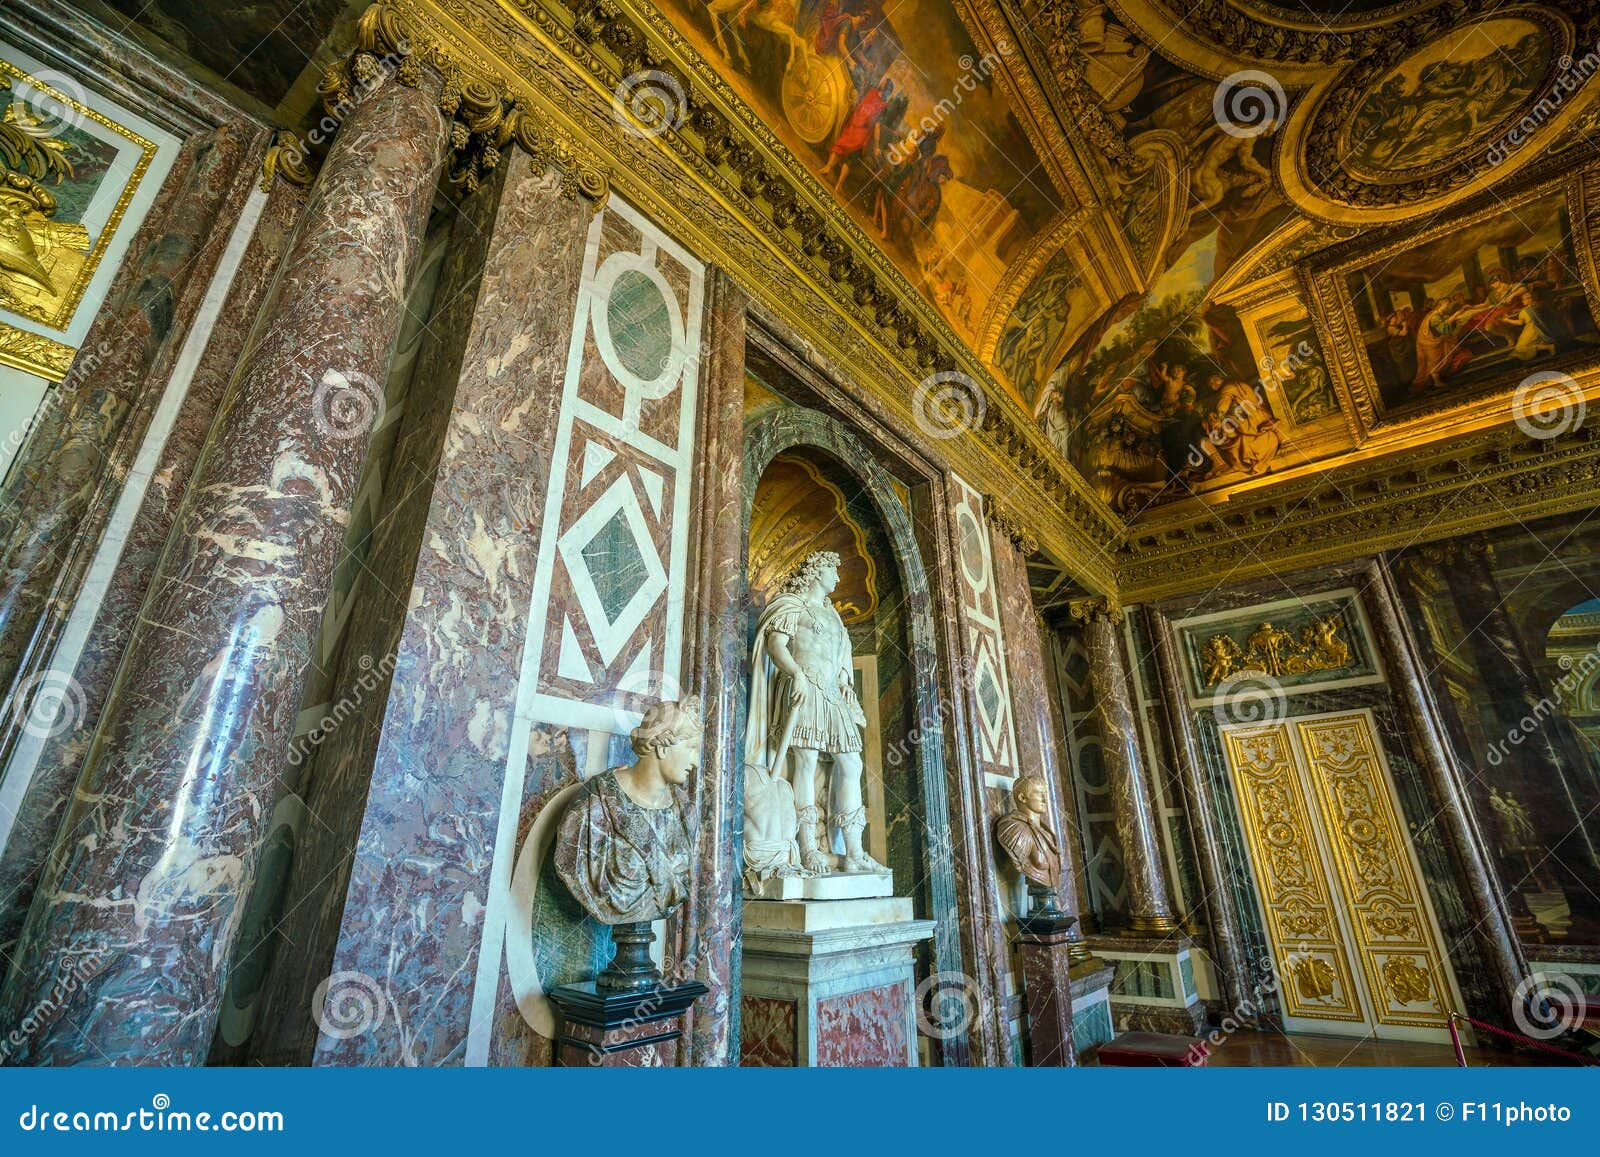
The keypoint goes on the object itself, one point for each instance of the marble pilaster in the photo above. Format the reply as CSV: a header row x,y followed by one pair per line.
x,y
56,765
1149,907
711,921
1038,742
392,885
1222,919
161,843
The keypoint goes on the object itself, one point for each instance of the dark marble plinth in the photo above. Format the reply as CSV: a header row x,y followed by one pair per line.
x,y
1044,959
621,1030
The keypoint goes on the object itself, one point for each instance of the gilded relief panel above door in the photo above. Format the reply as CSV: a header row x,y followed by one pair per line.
x,y
1302,923
1394,933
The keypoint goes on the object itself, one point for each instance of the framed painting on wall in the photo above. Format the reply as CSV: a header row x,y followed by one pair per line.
x,y
1438,327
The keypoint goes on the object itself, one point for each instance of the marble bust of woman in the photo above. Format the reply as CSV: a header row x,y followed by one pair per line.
x,y
627,838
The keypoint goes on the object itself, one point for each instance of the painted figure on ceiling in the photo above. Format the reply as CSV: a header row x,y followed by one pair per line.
x,y
861,131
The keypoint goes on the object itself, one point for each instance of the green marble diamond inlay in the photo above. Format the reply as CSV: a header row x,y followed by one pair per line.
x,y
616,564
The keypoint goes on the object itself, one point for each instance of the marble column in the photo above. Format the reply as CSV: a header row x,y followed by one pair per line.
x,y
140,902
1149,908
61,491
412,787
1222,916
1482,886
51,765
712,919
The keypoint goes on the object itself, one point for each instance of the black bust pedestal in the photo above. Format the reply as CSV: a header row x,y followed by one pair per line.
x,y
610,1029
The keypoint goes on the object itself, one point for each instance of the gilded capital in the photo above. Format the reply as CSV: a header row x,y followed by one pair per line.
x,y
1095,608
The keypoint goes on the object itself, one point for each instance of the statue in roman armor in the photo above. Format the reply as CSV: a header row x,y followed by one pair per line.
x,y
803,706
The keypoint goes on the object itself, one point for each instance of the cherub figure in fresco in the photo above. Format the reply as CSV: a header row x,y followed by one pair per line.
x,y
862,131
774,16
1211,180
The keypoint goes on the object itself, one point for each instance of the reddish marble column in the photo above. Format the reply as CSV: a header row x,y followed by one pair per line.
x,y
1149,909
140,902
712,919
390,884
61,492
61,753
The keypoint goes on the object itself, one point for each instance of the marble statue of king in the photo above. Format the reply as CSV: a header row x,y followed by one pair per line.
x,y
803,705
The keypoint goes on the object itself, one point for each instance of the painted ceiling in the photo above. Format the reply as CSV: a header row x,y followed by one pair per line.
x,y
1153,225
1209,247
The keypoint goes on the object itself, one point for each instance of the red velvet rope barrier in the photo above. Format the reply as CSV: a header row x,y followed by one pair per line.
x,y
1461,1058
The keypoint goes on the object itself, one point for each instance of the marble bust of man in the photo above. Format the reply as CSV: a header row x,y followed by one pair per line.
x,y
627,840
1025,834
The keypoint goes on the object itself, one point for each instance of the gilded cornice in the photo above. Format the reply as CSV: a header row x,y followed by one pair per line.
x,y
1423,494
723,182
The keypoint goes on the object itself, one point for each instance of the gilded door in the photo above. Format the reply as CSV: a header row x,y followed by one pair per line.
x,y
1353,936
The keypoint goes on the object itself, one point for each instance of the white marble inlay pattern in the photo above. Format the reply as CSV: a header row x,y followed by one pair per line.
x,y
991,684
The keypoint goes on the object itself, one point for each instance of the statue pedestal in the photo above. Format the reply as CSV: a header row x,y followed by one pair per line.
x,y
1155,988
839,886
626,1030
830,982
1044,960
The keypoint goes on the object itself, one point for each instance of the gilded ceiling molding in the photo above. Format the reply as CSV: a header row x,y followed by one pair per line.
x,y
720,179
1095,608
1431,492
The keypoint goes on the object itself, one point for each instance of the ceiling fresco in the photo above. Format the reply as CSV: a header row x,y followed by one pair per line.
x,y
1163,329
1211,245
896,108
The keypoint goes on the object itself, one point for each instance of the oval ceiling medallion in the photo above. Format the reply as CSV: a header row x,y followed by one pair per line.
x,y
1418,125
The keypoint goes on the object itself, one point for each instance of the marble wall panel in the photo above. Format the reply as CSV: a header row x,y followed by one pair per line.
x,y
863,1029
768,1032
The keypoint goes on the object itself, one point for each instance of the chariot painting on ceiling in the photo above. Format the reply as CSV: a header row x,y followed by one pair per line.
x,y
899,113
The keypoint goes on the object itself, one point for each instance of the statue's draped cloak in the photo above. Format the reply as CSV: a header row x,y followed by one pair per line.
x,y
623,862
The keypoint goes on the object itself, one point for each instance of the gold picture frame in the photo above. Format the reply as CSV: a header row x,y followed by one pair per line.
x,y
1346,336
